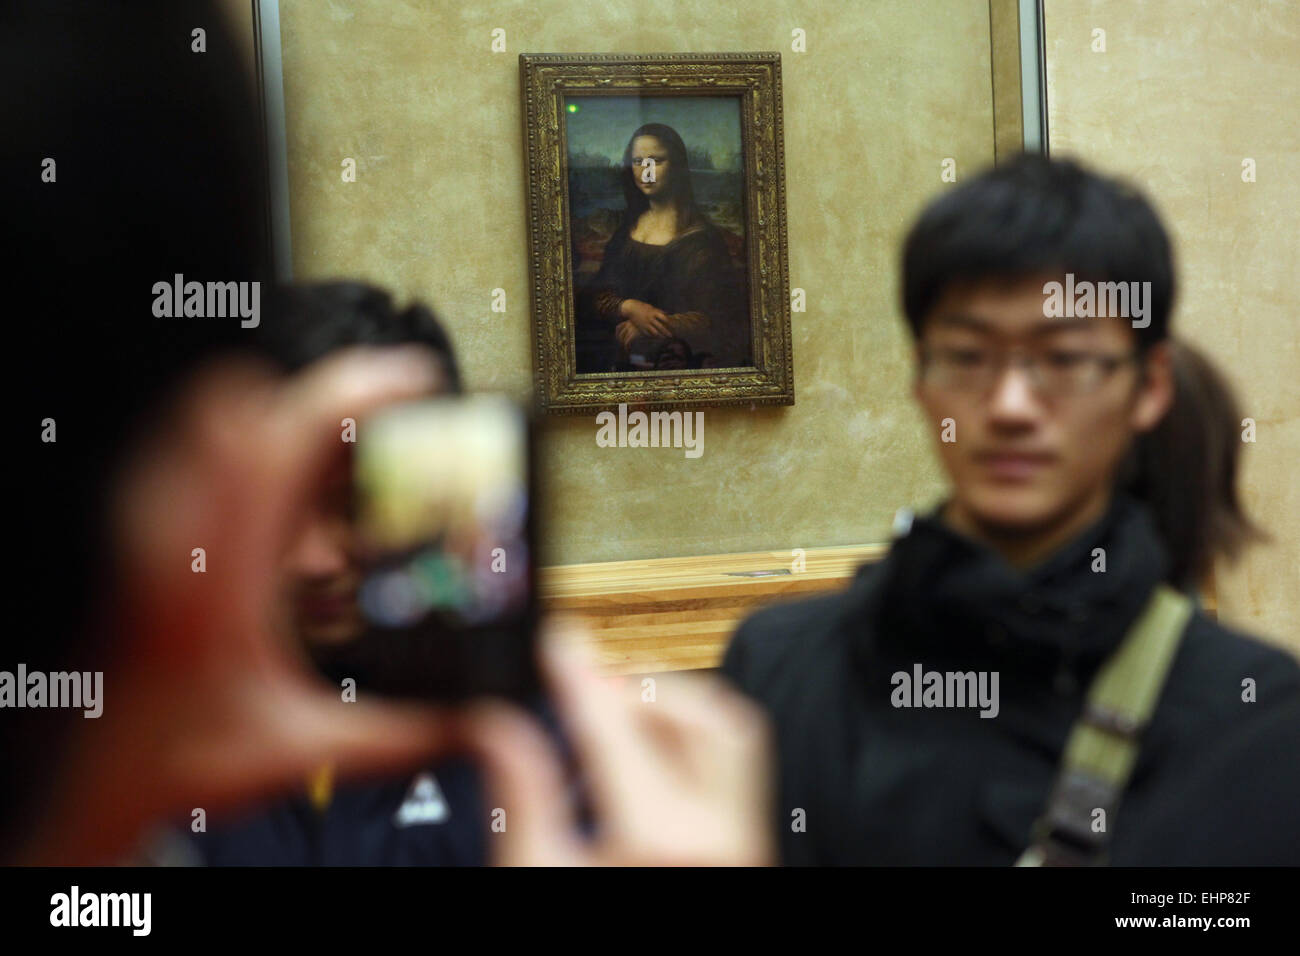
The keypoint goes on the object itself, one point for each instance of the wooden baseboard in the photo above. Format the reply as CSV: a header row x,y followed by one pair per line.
x,y
668,614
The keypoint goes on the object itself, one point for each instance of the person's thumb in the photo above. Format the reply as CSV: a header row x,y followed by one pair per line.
x,y
533,821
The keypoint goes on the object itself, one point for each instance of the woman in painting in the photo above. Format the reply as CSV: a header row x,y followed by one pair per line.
x,y
666,276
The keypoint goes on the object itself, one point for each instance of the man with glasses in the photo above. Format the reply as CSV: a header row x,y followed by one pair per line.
x,y
1022,678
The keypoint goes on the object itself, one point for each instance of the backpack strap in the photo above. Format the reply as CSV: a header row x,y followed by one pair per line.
x,y
1104,742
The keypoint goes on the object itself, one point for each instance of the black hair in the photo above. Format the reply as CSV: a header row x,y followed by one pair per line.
x,y
1035,216
1186,470
313,319
154,168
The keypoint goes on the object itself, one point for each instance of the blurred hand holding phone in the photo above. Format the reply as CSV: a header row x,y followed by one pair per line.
x,y
216,712
444,491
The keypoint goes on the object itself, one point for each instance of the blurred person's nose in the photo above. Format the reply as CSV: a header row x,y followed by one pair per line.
x,y
1013,399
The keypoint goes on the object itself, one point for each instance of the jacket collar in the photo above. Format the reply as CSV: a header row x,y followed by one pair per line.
x,y
940,594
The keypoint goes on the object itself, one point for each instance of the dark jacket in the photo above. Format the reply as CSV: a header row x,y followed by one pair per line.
x,y
1217,781
434,818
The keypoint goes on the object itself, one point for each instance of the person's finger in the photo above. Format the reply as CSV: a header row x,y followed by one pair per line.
x,y
265,739
602,725
713,731
282,442
308,417
234,468
362,737
526,788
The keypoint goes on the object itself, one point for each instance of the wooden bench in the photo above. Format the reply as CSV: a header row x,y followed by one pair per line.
x,y
668,614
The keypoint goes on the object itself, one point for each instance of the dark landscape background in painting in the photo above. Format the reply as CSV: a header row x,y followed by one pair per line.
x,y
598,128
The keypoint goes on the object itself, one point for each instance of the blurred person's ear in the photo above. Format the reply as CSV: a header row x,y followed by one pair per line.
x,y
1155,390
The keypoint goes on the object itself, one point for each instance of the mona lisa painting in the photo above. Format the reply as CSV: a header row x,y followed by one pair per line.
x,y
657,230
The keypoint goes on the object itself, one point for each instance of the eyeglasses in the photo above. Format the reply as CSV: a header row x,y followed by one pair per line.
x,y
1052,372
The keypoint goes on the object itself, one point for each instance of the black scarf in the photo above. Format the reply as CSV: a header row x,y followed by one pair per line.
x,y
940,596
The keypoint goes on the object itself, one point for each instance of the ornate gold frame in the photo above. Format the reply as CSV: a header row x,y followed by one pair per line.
x,y
545,79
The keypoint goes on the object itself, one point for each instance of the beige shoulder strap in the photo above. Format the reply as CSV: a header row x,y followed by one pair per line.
x,y
1104,742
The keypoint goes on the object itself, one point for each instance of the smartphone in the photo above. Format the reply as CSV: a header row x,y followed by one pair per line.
x,y
444,491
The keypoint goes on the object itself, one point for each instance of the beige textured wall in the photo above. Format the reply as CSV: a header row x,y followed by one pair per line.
x,y
1184,92
884,92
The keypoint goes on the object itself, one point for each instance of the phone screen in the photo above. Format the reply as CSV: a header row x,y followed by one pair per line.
x,y
444,491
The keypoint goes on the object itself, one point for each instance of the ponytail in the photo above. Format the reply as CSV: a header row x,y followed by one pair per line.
x,y
1185,471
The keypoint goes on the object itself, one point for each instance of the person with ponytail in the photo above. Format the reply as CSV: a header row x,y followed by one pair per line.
x,y
1026,677
1185,469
